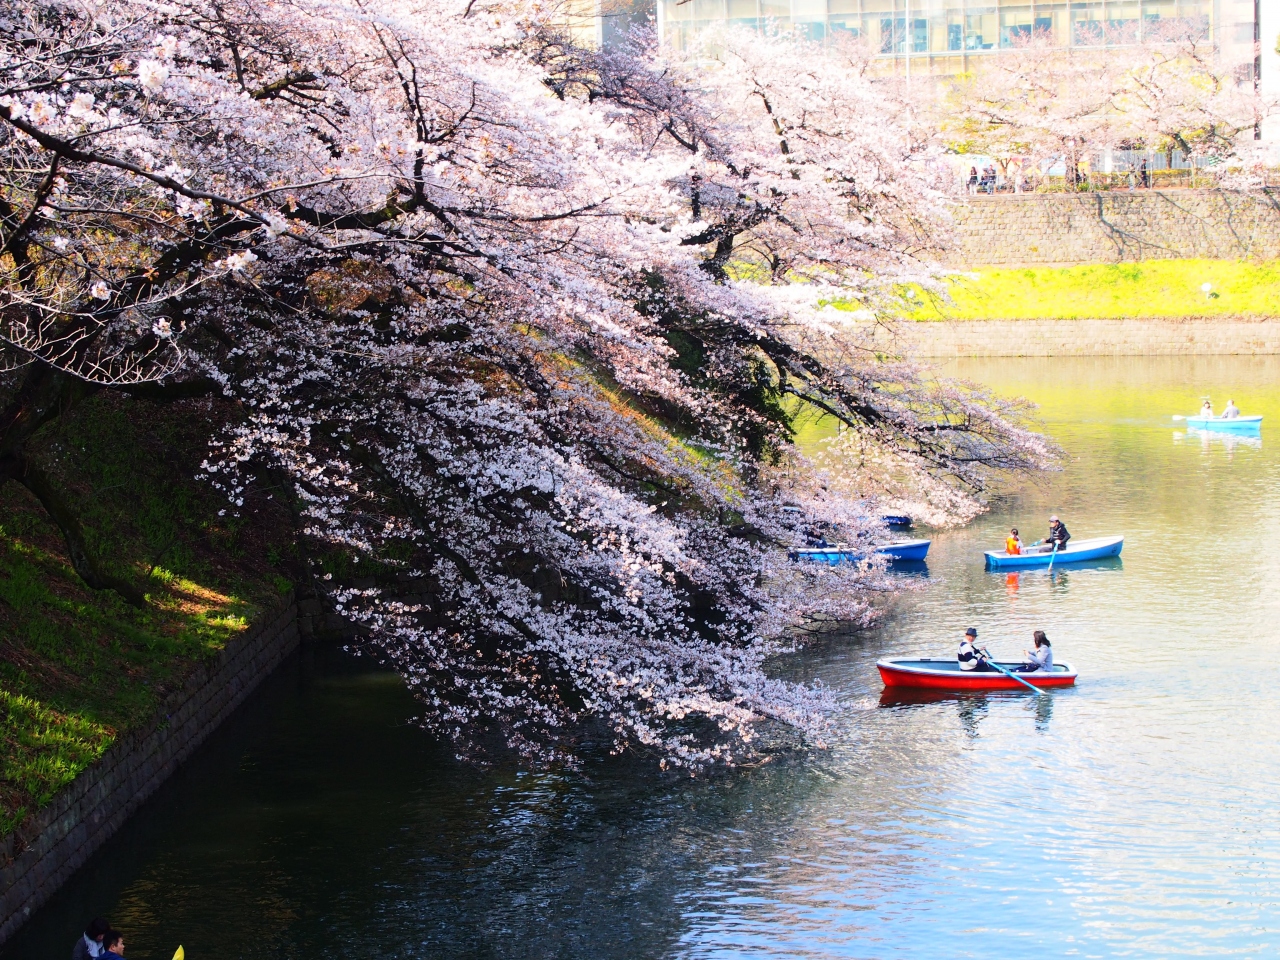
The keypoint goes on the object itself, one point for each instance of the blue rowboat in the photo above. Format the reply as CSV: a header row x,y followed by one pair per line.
x,y
902,550
896,520
1076,550
1244,424
906,550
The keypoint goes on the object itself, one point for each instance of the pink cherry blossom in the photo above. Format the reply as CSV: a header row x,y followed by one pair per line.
x,y
517,328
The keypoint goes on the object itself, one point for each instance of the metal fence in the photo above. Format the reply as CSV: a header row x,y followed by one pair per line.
x,y
1095,182
1105,171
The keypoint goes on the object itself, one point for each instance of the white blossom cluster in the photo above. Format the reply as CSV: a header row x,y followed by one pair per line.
x,y
518,326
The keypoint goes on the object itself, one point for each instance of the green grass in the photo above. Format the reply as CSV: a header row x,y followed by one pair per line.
x,y
1152,288
79,667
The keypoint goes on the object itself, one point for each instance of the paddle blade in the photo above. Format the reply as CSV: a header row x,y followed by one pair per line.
x,y
1178,416
179,954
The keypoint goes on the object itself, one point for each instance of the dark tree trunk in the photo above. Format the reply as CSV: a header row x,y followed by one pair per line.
x,y
45,395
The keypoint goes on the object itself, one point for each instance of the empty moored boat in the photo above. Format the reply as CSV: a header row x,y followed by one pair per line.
x,y
1075,551
946,675
1224,423
901,550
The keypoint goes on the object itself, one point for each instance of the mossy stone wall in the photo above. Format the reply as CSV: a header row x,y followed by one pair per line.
x,y
38,857
1110,227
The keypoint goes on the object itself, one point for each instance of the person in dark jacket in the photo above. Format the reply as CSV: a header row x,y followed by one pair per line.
x,y
1058,535
89,946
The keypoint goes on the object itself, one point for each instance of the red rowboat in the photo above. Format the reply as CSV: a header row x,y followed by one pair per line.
x,y
947,675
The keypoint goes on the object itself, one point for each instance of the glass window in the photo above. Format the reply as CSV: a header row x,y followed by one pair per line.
x,y
1051,20
1088,27
1016,24
674,11
808,10
1122,22
980,30
918,35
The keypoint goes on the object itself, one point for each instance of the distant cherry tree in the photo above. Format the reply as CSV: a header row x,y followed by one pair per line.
x,y
521,328
1169,89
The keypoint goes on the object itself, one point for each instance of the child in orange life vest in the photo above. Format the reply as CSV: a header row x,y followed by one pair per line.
x,y
1012,545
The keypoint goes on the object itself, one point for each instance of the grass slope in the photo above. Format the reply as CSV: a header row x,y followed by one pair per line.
x,y
1151,288
79,667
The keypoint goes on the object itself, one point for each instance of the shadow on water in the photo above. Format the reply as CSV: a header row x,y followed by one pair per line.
x,y
321,820
918,568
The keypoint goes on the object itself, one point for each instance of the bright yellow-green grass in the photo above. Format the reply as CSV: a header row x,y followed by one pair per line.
x,y
80,667
1152,288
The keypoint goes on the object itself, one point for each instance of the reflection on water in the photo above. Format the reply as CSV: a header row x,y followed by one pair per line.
x,y
1227,441
1128,816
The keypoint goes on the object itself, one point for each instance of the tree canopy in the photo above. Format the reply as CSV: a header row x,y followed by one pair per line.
x,y
520,328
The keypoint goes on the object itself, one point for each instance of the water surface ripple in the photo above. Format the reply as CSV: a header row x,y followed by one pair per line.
x,y
1133,816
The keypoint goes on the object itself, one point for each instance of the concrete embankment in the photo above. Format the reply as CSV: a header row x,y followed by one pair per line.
x,y
1094,338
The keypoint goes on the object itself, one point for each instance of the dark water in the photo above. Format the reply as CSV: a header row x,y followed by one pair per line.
x,y
1134,816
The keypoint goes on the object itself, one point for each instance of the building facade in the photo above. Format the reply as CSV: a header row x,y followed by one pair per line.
x,y
945,37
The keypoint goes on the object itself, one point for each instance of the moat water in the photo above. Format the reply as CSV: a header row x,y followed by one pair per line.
x,y
1133,816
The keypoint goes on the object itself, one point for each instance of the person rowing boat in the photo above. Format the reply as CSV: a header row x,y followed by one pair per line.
x,y
1058,536
970,657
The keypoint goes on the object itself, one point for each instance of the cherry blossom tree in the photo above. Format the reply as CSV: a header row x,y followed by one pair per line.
x,y
521,328
1170,89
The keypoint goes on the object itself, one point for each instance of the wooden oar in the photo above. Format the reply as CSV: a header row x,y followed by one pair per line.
x,y
1178,416
1053,556
1011,675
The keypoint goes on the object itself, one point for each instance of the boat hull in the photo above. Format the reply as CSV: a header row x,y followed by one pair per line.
x,y
1094,549
947,675
1238,424
902,550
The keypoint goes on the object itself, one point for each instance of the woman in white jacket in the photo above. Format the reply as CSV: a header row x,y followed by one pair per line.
x,y
1041,658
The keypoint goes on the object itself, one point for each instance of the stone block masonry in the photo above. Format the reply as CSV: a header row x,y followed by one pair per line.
x,y
45,851
1113,227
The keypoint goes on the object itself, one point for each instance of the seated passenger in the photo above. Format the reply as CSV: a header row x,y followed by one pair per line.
x,y
1012,544
1206,411
1231,412
969,655
1041,658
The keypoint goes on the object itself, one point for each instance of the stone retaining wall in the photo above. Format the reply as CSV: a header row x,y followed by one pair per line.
x,y
1093,338
1109,227
39,857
